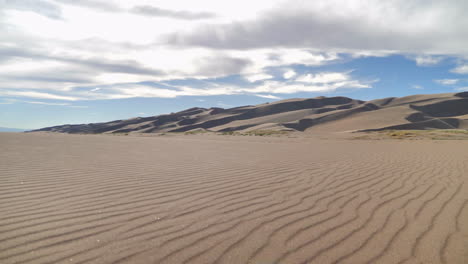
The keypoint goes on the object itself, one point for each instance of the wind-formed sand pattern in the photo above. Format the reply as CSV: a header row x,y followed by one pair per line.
x,y
221,199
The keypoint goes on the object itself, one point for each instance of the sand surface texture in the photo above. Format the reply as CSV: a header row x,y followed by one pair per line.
x,y
228,199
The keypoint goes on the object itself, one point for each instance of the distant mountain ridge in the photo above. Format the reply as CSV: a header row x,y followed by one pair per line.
x,y
8,129
324,114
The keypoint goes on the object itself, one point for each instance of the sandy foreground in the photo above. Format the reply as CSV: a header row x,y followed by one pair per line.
x,y
231,199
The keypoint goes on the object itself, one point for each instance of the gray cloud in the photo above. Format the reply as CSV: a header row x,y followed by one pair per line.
x,y
41,7
98,45
126,66
8,53
401,25
145,10
56,75
100,64
159,12
221,65
38,78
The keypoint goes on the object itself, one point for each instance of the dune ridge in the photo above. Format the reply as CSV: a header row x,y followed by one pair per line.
x,y
323,114
219,199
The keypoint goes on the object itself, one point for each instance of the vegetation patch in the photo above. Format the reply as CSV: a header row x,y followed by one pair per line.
x,y
195,132
260,133
231,133
432,134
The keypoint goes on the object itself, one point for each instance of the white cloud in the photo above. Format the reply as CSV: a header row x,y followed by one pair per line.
x,y
369,53
289,74
40,7
139,91
51,48
461,69
45,103
153,11
268,96
258,77
302,56
326,77
461,89
94,4
417,87
427,60
97,45
320,82
51,103
42,95
281,88
447,81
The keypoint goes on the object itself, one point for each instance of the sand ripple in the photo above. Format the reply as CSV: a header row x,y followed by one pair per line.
x,y
214,199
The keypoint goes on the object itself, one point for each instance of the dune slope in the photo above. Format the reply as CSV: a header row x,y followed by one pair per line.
x,y
327,114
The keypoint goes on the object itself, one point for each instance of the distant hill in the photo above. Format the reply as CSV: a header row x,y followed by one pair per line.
x,y
324,114
7,129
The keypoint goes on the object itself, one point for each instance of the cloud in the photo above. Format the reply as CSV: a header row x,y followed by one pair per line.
x,y
45,103
108,6
461,69
309,57
325,77
160,12
267,88
52,77
417,87
461,89
447,81
40,7
427,60
101,64
313,82
409,26
268,96
258,77
220,65
61,75
51,104
289,74
97,49
41,95
141,91
276,87
145,10
123,66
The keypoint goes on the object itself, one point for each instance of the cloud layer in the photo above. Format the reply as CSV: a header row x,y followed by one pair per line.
x,y
94,49
160,12
399,25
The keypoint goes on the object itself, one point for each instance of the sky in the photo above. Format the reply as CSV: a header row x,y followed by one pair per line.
x,y
70,61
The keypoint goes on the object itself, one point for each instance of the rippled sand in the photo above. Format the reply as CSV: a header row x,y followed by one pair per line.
x,y
231,199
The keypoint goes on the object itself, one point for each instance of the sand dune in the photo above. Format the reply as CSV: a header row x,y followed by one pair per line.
x,y
325,114
220,199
